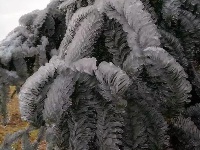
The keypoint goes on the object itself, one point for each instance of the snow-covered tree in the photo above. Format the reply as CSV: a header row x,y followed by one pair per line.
x,y
113,74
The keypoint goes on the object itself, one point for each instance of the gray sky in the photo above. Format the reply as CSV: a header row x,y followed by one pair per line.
x,y
12,10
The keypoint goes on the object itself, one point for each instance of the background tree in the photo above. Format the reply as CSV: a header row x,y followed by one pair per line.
x,y
119,74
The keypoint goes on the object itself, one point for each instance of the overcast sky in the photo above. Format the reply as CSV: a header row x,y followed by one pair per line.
x,y
12,10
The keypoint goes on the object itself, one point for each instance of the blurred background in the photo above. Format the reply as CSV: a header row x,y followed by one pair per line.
x,y
12,10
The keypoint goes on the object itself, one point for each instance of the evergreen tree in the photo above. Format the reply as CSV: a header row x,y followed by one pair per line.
x,y
107,75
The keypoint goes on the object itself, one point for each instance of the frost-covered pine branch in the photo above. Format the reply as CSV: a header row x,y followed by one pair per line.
x,y
107,74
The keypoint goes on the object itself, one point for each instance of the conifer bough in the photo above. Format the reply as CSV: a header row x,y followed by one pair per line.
x,y
106,75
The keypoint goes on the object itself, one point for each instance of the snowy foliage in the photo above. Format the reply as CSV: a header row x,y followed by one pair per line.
x,y
106,74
